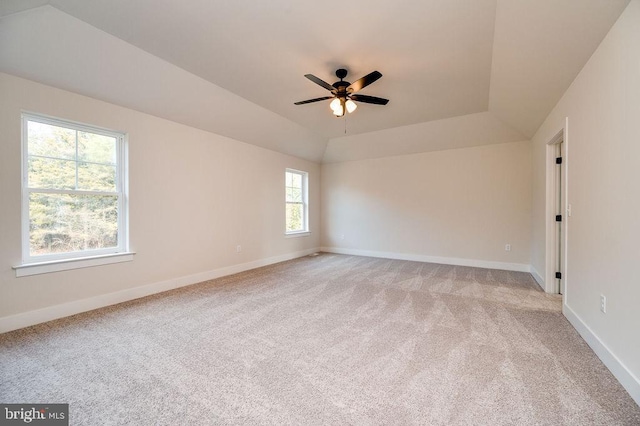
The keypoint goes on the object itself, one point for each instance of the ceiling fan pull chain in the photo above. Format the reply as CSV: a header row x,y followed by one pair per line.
x,y
345,124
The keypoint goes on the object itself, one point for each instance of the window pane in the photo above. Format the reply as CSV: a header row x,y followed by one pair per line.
x,y
51,141
51,174
61,223
96,177
96,148
296,180
296,195
295,217
288,179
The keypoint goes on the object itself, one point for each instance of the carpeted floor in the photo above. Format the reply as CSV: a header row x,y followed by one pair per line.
x,y
331,339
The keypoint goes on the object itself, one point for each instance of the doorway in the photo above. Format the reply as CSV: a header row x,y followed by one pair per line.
x,y
559,218
557,210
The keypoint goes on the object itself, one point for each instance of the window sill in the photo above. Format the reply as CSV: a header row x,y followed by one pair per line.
x,y
297,234
68,264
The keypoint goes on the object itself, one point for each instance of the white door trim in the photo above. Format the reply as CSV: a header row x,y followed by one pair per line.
x,y
551,245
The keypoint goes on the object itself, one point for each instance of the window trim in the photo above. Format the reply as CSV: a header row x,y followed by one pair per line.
x,y
305,203
121,192
28,269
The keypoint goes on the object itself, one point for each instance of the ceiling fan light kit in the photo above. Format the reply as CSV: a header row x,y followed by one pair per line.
x,y
338,106
344,92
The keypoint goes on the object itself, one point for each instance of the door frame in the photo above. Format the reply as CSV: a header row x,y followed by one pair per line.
x,y
551,243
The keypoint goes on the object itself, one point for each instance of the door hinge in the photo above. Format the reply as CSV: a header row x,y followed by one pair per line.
x,y
559,275
558,218
558,160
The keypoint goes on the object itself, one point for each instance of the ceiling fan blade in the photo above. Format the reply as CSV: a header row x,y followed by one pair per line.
x,y
320,82
364,82
370,99
324,98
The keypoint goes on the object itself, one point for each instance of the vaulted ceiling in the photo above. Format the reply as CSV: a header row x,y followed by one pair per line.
x,y
490,67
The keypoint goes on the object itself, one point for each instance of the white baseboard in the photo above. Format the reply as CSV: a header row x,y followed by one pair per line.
x,y
608,358
519,267
26,319
536,276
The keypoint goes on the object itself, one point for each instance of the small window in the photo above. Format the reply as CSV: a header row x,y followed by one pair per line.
x,y
296,192
73,190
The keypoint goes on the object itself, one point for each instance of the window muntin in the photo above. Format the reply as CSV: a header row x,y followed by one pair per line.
x,y
296,205
73,186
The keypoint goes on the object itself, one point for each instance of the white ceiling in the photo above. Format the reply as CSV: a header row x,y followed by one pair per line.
x,y
440,59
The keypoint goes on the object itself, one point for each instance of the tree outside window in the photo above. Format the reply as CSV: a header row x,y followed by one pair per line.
x,y
296,201
73,191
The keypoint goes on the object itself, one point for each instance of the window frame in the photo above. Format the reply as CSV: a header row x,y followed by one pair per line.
x,y
305,202
121,192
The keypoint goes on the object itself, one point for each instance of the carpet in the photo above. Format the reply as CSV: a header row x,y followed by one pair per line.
x,y
330,339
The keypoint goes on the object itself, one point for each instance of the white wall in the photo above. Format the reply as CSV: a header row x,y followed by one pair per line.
x,y
460,206
194,196
603,110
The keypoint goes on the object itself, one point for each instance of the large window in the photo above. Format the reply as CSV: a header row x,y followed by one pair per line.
x,y
296,190
73,190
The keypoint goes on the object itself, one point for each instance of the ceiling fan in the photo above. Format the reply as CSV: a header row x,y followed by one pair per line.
x,y
344,93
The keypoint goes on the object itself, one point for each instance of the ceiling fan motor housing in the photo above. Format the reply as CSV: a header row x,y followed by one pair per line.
x,y
341,85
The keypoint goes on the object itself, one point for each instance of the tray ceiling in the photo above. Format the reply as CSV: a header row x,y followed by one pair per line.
x,y
440,59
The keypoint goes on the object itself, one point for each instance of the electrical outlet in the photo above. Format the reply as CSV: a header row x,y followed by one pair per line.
x,y
238,248
603,304
507,247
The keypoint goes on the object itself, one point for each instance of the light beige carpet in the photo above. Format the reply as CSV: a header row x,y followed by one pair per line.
x,y
331,339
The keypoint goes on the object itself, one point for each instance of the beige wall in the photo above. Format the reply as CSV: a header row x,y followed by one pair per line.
x,y
194,196
603,111
457,204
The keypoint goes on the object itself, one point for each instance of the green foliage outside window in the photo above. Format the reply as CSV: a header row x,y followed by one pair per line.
x,y
295,202
73,200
